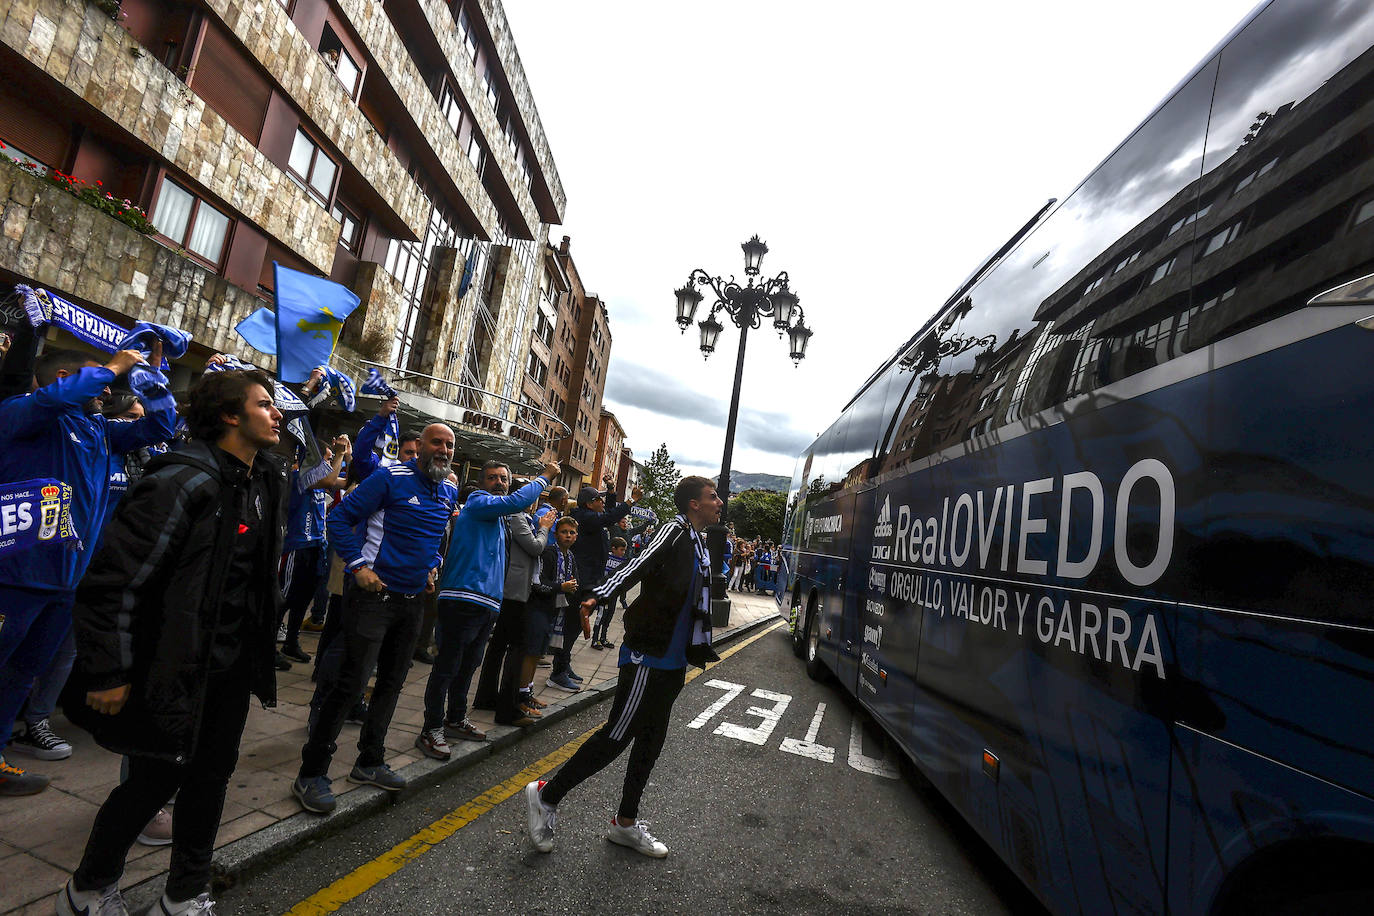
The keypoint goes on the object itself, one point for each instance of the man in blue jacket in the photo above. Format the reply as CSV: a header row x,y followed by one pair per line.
x,y
470,593
57,431
404,510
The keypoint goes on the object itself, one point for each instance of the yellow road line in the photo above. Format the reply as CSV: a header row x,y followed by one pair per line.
x,y
369,875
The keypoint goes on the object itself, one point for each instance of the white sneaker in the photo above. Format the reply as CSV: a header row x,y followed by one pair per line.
x,y
281,633
106,902
158,831
636,837
200,906
541,817
432,743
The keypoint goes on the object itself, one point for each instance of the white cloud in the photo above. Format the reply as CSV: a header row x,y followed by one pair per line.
x,y
881,149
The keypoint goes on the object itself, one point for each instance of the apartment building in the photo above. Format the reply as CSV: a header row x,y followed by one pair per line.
x,y
580,352
394,148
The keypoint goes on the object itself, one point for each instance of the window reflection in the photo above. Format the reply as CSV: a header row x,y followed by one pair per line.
x,y
1246,193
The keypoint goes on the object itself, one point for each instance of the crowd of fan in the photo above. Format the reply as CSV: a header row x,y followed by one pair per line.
x,y
201,531
749,564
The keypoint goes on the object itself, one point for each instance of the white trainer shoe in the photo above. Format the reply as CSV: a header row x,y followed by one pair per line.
x,y
636,837
541,817
105,902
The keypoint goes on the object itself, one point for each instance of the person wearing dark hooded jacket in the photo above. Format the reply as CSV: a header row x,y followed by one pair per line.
x,y
175,627
596,513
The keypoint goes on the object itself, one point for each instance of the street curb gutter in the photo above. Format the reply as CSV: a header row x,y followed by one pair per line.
x,y
257,851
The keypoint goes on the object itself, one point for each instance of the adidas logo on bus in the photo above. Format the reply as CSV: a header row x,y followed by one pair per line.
x,y
884,527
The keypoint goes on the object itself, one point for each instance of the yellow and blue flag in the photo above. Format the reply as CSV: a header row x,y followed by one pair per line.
x,y
305,326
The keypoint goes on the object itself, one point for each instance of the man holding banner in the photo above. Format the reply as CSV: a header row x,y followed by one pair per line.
x,y
56,432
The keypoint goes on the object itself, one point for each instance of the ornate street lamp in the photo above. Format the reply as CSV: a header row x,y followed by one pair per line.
x,y
687,301
747,306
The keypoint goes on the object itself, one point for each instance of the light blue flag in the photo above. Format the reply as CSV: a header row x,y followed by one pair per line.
x,y
310,315
259,330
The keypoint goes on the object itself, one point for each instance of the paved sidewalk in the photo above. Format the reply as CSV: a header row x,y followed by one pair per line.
x,y
42,836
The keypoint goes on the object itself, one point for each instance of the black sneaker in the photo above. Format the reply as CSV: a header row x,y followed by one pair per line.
x,y
294,652
282,662
358,714
597,646
14,781
607,644
38,740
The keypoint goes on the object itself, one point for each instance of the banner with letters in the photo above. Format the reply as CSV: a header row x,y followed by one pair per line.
x,y
86,326
34,512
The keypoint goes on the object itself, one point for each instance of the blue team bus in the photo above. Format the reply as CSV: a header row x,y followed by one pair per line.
x,y
1095,546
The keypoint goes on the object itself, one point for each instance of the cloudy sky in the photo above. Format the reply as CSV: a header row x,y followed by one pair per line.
x,y
881,149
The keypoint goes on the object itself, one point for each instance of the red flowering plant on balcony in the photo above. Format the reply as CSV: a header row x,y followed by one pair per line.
x,y
95,195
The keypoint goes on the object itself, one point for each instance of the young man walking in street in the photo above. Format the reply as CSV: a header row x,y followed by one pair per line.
x,y
666,628
405,509
470,594
174,630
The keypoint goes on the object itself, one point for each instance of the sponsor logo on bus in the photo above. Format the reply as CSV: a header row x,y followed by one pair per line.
x,y
826,524
884,527
991,530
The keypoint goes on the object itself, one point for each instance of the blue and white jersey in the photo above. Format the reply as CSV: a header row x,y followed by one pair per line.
x,y
402,514
48,433
305,516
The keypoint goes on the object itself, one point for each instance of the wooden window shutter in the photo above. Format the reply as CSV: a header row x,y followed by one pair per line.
x,y
43,137
230,84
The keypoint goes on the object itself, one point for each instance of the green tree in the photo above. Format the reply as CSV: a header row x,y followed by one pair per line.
x,y
658,480
758,513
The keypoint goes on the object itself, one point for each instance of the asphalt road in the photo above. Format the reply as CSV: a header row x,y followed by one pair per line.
x,y
751,828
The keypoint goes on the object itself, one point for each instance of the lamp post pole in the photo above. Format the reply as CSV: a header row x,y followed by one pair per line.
x,y
746,306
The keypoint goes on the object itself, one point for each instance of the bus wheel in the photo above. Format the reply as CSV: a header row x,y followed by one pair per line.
x,y
815,668
798,632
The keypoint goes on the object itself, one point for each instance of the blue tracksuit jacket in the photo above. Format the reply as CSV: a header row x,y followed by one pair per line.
x,y
48,433
405,514
475,568
305,516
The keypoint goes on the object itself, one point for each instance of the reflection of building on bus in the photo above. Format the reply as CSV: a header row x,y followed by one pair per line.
x,y
1072,544
947,410
1227,251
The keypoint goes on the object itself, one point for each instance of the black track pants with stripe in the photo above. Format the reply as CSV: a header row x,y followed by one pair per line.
x,y
643,703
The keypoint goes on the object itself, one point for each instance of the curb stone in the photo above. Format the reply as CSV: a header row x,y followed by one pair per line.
x,y
255,852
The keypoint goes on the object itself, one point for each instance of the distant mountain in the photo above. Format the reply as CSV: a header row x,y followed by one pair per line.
x,y
740,482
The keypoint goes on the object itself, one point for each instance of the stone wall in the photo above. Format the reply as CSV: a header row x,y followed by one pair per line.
x,y
267,32
91,56
60,243
388,49
445,28
524,99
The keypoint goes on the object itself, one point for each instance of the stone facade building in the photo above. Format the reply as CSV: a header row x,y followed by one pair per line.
x,y
580,353
610,438
395,149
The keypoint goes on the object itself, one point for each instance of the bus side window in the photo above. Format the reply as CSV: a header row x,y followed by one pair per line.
x,y
1116,293
1290,138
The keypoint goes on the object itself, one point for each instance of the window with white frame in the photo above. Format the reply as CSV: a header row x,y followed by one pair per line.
x,y
311,167
190,222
